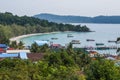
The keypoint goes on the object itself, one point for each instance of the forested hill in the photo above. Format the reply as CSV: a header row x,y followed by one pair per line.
x,y
13,25
40,25
79,19
8,19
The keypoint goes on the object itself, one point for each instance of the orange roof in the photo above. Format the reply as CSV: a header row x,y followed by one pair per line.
x,y
93,52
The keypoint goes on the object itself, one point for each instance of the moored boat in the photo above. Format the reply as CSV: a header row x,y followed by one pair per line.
x,y
110,41
90,40
54,38
75,42
70,35
99,44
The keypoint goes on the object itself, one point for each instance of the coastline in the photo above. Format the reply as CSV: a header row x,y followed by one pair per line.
x,y
17,38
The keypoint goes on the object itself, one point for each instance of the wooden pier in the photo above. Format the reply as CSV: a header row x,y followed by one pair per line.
x,y
100,48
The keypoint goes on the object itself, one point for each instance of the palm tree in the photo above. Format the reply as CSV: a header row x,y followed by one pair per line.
x,y
13,44
20,45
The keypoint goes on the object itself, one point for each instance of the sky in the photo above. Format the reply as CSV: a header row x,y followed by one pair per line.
x,y
61,7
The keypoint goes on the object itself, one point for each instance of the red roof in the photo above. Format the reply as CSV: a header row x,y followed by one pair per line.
x,y
55,45
1,49
10,48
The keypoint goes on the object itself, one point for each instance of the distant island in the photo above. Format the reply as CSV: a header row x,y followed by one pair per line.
x,y
79,19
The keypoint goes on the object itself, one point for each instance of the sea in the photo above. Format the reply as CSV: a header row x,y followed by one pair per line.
x,y
102,33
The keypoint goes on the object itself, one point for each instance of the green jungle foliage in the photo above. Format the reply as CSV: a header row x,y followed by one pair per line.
x,y
66,64
11,26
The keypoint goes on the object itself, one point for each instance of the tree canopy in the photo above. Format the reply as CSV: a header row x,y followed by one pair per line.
x,y
13,25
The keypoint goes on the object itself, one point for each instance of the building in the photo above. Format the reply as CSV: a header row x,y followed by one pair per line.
x,y
5,55
93,53
55,46
3,48
35,56
17,51
41,43
21,55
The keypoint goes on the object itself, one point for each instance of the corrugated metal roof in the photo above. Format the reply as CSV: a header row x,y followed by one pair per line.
x,y
23,55
3,46
5,55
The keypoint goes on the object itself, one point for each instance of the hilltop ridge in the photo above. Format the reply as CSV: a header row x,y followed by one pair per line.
x,y
78,19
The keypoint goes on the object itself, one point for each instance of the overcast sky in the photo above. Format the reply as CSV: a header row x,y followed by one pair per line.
x,y
61,7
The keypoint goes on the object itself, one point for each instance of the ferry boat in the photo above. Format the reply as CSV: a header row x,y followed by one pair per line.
x,y
75,42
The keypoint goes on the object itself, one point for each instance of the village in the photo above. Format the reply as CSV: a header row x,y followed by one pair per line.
x,y
25,53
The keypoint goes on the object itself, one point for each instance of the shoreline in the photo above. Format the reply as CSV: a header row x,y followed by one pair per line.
x,y
17,38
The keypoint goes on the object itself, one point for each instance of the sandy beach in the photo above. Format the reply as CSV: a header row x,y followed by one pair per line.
x,y
27,35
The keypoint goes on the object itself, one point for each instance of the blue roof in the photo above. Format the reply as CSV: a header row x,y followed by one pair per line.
x,y
3,46
40,43
23,55
5,55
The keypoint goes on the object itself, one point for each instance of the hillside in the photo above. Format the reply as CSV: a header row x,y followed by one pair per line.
x,y
79,19
13,25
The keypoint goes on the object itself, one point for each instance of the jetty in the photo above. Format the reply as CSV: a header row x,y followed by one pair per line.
x,y
99,48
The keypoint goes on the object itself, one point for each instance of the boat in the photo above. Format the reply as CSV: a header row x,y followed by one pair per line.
x,y
90,40
99,44
75,42
54,38
110,41
70,35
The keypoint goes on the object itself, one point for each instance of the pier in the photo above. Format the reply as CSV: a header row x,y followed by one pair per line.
x,y
100,48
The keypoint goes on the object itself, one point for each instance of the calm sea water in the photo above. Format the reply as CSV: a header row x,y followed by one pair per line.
x,y
103,33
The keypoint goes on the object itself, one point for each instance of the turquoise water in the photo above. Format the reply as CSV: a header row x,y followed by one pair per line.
x,y
103,33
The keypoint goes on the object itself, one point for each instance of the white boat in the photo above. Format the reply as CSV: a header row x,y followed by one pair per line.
x,y
70,35
75,42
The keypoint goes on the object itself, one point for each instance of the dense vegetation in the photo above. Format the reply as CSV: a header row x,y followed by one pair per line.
x,y
65,64
79,19
13,25
60,64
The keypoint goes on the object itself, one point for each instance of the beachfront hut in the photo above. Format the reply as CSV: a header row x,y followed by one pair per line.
x,y
41,43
